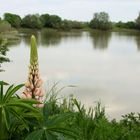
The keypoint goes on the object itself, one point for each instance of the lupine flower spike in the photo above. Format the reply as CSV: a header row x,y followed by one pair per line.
x,y
33,86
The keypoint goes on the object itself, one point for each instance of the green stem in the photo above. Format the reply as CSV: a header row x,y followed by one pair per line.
x,y
1,124
1,90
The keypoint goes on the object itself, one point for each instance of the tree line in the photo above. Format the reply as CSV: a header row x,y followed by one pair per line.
x,y
100,21
41,21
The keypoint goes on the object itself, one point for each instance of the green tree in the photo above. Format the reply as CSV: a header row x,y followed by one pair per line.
x,y
45,19
51,21
128,25
69,24
100,21
77,25
66,24
120,24
55,21
138,22
32,21
13,19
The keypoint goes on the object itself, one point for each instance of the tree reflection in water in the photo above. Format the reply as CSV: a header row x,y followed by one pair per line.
x,y
138,42
100,39
131,35
49,37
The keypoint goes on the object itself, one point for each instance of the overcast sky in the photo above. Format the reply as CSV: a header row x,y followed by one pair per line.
x,y
82,10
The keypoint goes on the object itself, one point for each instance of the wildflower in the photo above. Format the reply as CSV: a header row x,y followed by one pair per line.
x,y
33,86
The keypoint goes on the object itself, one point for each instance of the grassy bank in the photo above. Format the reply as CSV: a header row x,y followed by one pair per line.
x,y
114,29
60,119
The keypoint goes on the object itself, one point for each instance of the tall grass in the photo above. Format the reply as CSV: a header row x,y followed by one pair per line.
x,y
92,123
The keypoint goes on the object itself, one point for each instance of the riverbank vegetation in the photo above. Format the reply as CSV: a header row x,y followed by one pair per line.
x,y
99,21
65,119
3,51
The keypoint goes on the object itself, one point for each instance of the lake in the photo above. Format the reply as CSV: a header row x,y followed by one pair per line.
x,y
94,66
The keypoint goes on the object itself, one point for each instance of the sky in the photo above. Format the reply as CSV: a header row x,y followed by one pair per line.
x,y
82,10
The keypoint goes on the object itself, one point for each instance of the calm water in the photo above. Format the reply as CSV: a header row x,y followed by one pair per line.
x,y
104,66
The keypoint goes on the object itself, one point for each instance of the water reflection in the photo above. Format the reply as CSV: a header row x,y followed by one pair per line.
x,y
25,34
138,42
49,37
130,36
100,39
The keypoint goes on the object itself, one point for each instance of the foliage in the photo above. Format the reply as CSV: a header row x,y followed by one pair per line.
x,y
67,119
13,111
51,125
69,24
3,50
35,21
32,21
20,120
138,22
52,21
45,19
100,21
92,123
4,26
13,19
127,25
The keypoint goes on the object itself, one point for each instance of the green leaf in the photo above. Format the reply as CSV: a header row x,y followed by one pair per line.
x,y
47,110
36,135
8,91
50,136
6,117
64,131
22,105
58,119
12,91
29,101
3,83
19,117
